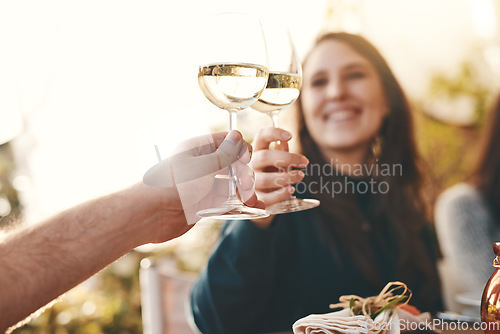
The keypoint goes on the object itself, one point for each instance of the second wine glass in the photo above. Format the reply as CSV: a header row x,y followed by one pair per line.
x,y
282,90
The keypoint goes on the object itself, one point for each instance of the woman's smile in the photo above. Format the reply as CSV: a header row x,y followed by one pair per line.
x,y
340,113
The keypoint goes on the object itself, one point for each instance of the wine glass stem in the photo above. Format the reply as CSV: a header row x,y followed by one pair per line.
x,y
232,181
233,120
274,117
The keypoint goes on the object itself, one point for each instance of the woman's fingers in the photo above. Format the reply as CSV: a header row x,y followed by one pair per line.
x,y
275,168
276,196
245,179
266,136
279,159
275,180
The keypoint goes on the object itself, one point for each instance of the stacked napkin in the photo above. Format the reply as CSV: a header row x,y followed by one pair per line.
x,y
344,322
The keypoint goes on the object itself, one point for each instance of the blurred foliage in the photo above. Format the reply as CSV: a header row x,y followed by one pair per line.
x,y
447,151
109,302
450,150
465,83
9,201
191,251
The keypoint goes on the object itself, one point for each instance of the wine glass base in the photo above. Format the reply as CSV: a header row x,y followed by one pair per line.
x,y
233,212
292,205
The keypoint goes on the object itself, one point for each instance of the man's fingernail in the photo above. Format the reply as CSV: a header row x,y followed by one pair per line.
x,y
234,135
286,135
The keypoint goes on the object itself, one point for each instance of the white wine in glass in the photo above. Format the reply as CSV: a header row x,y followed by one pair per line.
x,y
232,86
282,90
233,78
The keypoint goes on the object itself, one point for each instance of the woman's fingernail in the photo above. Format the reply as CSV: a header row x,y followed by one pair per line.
x,y
290,189
286,135
301,173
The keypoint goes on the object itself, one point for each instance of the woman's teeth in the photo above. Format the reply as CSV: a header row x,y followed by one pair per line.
x,y
341,115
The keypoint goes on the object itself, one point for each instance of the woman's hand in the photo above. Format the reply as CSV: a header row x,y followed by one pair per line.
x,y
274,169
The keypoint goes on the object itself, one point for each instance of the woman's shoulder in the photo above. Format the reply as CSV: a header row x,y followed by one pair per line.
x,y
462,205
461,194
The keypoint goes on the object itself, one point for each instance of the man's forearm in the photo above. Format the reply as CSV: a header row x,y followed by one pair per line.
x,y
39,264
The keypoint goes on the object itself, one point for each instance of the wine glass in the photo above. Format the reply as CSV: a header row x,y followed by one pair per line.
x,y
283,88
232,76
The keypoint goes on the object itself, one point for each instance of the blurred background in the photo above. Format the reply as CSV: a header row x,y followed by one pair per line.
x,y
87,88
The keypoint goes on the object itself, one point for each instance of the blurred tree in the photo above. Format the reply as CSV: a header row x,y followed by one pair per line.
x,y
9,201
109,302
446,138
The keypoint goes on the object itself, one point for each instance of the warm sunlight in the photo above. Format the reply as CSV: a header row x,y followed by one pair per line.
x,y
390,187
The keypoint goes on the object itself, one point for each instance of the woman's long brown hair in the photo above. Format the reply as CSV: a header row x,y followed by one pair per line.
x,y
486,175
403,206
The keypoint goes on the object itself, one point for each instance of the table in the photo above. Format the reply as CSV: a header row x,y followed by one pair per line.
x,y
450,329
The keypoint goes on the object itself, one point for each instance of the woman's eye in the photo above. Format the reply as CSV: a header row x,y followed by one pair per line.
x,y
356,75
318,82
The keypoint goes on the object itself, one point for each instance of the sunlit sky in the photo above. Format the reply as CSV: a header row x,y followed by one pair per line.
x,y
93,80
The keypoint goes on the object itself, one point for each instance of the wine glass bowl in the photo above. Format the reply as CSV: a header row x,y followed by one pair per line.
x,y
232,86
232,76
281,91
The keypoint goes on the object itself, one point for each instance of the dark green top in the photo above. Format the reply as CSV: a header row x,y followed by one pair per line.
x,y
263,280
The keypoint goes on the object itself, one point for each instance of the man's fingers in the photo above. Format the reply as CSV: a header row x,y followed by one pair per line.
x,y
203,144
253,201
199,161
160,175
245,176
246,153
227,152
231,148
245,179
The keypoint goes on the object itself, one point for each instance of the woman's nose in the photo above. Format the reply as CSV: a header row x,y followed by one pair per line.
x,y
335,89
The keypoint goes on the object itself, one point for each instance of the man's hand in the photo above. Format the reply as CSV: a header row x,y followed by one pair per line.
x,y
198,171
